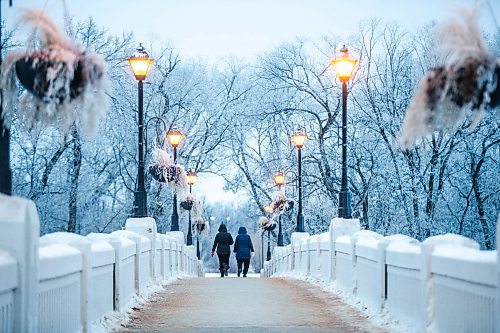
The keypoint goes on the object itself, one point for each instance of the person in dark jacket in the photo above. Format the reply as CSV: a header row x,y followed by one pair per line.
x,y
223,241
244,250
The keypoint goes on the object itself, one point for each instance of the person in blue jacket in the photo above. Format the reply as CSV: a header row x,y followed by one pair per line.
x,y
243,249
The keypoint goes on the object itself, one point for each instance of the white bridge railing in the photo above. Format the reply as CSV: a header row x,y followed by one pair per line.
x,y
443,284
64,282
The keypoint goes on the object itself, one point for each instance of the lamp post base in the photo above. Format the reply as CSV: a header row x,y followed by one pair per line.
x,y
140,203
280,232
280,240
345,204
300,223
268,255
189,238
174,226
198,248
5,172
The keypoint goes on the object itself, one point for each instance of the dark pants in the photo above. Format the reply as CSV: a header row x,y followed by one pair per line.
x,y
246,264
223,260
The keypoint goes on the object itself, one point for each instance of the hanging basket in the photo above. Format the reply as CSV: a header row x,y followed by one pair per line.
x,y
170,172
156,172
187,205
49,79
270,227
200,227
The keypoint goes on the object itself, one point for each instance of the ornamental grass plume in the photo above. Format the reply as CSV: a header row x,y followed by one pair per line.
x,y
64,83
446,94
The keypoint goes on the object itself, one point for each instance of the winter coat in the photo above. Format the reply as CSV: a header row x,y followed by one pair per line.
x,y
222,241
243,244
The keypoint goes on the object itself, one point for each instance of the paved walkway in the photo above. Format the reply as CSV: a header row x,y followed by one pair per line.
x,y
247,305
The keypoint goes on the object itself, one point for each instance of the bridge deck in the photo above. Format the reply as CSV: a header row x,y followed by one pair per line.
x,y
246,305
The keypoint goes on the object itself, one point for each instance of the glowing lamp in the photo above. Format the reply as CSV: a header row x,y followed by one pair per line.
x,y
299,138
140,62
191,177
175,137
268,209
344,65
279,178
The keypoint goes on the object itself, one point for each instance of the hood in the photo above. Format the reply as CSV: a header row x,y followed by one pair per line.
x,y
242,231
222,228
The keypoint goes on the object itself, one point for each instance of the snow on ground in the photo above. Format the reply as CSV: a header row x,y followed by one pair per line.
x,y
117,319
382,319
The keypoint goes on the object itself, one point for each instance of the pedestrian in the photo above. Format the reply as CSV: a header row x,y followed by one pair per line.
x,y
223,240
243,248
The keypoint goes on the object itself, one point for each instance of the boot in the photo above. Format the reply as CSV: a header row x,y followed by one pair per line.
x,y
226,269
239,272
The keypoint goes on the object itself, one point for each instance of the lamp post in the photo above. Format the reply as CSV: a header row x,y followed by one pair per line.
x,y
5,171
268,209
298,138
279,179
175,137
191,179
140,62
344,67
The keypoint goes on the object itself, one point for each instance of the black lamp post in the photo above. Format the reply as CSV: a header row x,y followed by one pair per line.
x,y
344,66
140,62
298,139
5,171
279,179
268,210
191,179
175,138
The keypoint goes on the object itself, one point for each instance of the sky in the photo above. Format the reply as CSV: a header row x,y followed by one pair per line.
x,y
213,29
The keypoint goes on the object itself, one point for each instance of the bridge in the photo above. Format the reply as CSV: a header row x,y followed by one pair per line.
x,y
141,281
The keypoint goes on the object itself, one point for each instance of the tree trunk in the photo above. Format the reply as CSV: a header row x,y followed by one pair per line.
x,y
74,175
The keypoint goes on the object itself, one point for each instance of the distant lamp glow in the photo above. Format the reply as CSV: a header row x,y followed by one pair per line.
x,y
140,62
191,177
175,137
344,65
279,178
299,138
268,209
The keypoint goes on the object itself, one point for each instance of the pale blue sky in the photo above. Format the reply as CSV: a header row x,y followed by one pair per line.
x,y
212,29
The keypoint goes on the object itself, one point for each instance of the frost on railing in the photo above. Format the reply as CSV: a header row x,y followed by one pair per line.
x,y
444,284
8,284
60,283
64,282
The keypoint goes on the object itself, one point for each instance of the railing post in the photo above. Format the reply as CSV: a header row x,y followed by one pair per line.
x,y
145,226
428,245
340,227
83,245
138,260
20,236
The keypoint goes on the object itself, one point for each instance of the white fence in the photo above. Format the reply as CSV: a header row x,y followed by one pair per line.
x,y
64,282
444,284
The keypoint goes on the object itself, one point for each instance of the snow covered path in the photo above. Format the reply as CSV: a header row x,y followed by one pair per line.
x,y
241,305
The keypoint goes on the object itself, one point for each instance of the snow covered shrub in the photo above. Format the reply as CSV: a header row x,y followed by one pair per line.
x,y
266,223
164,170
280,203
190,203
446,94
64,83
201,227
